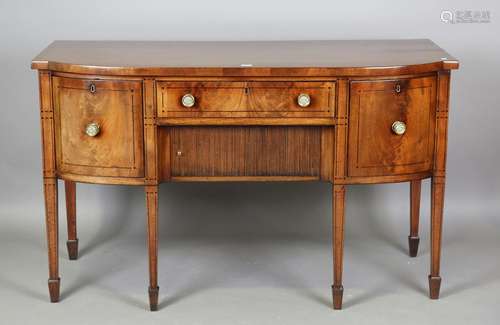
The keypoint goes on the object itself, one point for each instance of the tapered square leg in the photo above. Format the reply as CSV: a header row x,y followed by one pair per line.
x,y
51,220
72,243
437,205
152,217
413,238
338,244
438,183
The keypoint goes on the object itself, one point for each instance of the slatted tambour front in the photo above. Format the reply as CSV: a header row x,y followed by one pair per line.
x,y
245,151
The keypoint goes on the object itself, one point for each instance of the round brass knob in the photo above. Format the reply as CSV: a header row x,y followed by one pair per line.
x,y
398,127
92,129
304,100
188,100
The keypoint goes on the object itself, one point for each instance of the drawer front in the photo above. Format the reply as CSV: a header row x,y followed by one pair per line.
x,y
245,151
246,99
284,97
99,127
381,109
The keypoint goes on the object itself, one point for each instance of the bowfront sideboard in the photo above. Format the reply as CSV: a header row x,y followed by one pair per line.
x,y
344,112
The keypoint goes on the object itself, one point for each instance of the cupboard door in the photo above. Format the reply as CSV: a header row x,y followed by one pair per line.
x,y
391,126
99,127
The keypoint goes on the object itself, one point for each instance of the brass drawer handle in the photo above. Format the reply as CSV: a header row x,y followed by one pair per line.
x,y
188,100
92,129
399,127
304,100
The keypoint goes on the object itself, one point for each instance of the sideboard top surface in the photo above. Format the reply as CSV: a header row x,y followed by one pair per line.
x,y
245,58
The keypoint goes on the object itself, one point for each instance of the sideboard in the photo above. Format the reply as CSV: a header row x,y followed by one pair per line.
x,y
344,112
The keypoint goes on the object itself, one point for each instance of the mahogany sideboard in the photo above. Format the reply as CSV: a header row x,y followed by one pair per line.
x,y
344,112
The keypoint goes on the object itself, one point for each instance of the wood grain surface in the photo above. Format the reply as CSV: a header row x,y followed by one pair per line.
x,y
264,58
374,149
116,106
245,99
245,151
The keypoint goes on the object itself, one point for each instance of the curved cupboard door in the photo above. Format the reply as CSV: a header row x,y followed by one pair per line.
x,y
99,128
391,126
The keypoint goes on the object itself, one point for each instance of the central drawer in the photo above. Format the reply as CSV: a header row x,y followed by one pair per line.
x,y
245,99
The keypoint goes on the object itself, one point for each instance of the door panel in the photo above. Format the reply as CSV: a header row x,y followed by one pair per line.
x,y
375,149
115,106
